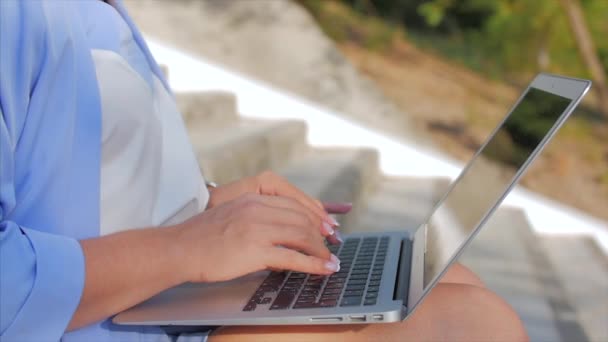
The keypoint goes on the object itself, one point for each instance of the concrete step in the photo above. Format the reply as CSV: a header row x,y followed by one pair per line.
x,y
581,269
335,174
246,147
209,107
398,204
507,256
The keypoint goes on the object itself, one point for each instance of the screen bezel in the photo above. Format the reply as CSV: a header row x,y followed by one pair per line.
x,y
570,88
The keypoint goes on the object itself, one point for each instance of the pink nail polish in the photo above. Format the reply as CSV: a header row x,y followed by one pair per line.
x,y
334,222
334,259
338,236
328,229
331,266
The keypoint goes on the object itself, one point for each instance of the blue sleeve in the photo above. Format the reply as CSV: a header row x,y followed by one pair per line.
x,y
41,274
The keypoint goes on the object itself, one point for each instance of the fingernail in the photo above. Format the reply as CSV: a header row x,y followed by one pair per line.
x,y
334,259
338,236
328,229
332,266
334,222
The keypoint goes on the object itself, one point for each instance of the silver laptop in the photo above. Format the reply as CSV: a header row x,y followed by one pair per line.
x,y
384,276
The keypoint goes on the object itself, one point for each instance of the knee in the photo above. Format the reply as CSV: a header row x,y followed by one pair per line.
x,y
460,312
461,274
489,317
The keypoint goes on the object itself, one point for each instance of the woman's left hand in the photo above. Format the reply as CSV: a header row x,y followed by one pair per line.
x,y
270,184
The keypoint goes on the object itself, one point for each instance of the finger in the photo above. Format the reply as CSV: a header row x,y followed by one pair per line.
x,y
289,259
293,205
336,238
337,207
275,185
297,239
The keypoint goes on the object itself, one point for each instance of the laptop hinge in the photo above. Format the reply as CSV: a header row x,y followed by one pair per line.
x,y
403,272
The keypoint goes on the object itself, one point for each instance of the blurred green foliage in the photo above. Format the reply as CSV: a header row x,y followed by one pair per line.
x,y
343,24
508,40
525,128
604,178
502,38
534,117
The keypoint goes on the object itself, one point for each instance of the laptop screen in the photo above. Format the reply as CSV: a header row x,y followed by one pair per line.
x,y
483,183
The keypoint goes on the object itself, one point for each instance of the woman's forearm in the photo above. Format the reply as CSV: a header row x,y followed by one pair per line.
x,y
124,269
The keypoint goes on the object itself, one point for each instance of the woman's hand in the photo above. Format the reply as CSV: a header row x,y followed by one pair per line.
x,y
271,184
251,233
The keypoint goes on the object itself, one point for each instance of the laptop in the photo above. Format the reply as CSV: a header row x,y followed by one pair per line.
x,y
384,276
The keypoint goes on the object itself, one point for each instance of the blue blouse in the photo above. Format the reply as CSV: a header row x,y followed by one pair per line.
x,y
50,150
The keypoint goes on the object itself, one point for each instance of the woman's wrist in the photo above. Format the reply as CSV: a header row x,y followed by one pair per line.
x,y
177,252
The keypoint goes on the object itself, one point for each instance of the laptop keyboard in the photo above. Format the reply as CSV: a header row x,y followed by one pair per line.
x,y
357,282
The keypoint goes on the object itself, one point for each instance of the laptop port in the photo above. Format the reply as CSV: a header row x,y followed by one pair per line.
x,y
377,317
358,318
326,319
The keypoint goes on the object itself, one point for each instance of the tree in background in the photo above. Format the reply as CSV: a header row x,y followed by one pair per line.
x,y
587,50
509,39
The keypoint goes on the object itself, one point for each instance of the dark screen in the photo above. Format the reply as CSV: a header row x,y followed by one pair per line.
x,y
483,183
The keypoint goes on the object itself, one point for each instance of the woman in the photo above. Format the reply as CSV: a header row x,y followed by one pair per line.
x,y
94,154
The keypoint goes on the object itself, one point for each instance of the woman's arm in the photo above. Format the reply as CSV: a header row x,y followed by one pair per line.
x,y
244,235
124,269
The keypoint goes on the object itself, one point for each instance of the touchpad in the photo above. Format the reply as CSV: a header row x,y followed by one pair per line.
x,y
192,301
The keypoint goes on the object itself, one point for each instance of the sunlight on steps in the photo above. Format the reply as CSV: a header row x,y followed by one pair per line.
x,y
325,128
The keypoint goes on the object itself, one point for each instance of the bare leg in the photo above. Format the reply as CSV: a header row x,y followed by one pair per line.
x,y
458,309
459,274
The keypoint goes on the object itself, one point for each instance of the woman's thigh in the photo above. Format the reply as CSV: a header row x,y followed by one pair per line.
x,y
460,274
455,310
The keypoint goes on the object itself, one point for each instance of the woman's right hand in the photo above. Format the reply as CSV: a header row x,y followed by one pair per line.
x,y
252,233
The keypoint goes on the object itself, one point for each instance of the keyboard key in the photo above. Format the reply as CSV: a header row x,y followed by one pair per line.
x,y
311,292
359,276
353,293
314,285
297,275
370,302
371,295
305,305
283,300
355,288
291,283
336,285
250,306
351,301
328,303
330,296
332,291
359,272
307,301
359,267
